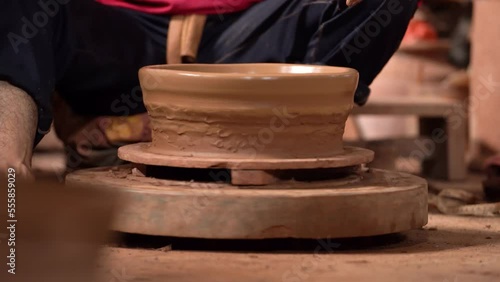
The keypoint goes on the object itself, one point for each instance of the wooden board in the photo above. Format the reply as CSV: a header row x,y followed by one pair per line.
x,y
138,153
376,202
424,105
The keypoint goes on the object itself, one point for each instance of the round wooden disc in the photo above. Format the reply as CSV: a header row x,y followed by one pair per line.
x,y
139,153
382,202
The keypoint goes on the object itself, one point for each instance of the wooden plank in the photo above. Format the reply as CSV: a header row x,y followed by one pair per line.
x,y
425,105
438,115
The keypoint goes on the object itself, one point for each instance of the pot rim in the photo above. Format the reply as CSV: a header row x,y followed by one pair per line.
x,y
279,71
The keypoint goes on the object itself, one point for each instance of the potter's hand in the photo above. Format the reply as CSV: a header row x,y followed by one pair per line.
x,y
351,3
18,122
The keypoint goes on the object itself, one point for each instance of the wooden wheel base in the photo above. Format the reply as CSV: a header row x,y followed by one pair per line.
x,y
376,202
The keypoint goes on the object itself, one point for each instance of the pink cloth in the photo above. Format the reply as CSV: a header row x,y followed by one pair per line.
x,y
182,6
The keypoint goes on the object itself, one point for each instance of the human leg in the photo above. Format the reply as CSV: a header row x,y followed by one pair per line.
x,y
363,37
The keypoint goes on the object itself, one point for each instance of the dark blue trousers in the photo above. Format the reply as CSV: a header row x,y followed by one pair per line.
x,y
90,53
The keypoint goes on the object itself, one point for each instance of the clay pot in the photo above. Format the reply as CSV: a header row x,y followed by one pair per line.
x,y
248,110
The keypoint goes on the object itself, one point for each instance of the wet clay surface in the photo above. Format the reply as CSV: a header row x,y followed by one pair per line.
x,y
248,111
258,135
448,249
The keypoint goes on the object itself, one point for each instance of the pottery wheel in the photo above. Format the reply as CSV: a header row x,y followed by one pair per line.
x,y
366,203
253,151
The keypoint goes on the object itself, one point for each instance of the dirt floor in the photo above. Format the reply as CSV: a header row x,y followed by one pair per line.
x,y
447,249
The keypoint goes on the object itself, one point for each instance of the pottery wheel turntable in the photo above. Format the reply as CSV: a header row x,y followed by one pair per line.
x,y
254,151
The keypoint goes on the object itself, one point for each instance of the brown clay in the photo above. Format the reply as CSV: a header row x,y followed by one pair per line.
x,y
258,120
141,153
248,110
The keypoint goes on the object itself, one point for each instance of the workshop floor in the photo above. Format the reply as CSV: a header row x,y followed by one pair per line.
x,y
448,249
